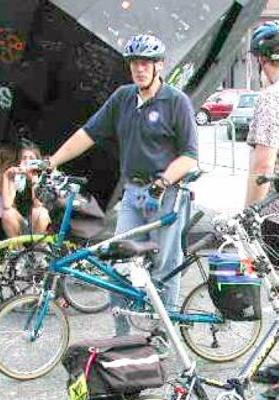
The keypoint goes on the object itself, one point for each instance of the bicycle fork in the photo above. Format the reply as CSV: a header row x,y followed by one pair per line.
x,y
41,310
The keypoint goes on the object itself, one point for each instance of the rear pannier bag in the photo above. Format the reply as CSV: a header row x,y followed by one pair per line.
x,y
114,366
234,287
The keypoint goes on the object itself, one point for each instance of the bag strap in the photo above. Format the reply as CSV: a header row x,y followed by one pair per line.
x,y
91,360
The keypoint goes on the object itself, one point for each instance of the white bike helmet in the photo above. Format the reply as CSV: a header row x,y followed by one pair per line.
x,y
144,46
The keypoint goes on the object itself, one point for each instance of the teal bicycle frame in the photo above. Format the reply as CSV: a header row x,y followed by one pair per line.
x,y
116,282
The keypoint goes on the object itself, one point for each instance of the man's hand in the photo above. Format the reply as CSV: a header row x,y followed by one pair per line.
x,y
151,199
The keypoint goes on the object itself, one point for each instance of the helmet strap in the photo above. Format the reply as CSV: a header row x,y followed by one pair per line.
x,y
147,87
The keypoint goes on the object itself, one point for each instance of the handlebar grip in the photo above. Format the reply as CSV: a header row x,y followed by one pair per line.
x,y
269,178
262,179
192,176
265,202
203,243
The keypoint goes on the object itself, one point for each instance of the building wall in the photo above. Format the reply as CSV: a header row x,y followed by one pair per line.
x,y
243,72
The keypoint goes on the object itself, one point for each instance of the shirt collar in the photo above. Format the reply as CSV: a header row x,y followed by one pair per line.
x,y
162,94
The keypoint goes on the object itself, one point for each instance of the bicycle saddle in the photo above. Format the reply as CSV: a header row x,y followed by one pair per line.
x,y
127,249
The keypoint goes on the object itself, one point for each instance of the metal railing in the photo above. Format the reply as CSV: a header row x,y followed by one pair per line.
x,y
229,123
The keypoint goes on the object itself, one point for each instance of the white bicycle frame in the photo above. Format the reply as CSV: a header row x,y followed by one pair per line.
x,y
245,248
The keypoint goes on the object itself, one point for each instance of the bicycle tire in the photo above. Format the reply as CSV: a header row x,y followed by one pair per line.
x,y
22,240
24,244
234,338
40,355
83,296
194,396
22,272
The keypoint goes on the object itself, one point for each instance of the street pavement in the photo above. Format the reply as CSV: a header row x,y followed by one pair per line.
x,y
219,190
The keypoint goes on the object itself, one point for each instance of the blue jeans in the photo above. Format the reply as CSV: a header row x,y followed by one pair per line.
x,y
168,239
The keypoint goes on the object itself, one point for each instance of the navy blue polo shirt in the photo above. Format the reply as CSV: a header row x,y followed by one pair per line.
x,y
150,136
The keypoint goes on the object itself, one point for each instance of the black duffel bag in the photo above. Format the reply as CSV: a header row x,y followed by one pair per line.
x,y
112,368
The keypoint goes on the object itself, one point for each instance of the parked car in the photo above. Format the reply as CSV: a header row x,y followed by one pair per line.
x,y
243,113
218,106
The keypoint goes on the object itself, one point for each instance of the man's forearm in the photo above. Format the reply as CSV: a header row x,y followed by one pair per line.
x,y
77,144
262,161
178,168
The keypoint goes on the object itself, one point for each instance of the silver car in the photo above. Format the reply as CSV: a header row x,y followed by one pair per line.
x,y
243,113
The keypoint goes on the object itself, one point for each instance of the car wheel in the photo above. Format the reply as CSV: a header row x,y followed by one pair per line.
x,y
202,117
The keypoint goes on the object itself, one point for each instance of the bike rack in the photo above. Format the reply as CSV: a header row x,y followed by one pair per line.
x,y
224,122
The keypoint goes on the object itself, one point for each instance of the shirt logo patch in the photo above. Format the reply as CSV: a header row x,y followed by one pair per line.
x,y
153,116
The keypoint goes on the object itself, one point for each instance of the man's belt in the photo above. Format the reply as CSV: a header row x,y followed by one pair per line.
x,y
140,181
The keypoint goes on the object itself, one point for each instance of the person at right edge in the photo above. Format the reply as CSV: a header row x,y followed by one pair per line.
x,y
263,137
154,124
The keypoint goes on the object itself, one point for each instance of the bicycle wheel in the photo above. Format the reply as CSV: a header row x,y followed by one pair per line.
x,y
233,338
21,357
22,271
83,296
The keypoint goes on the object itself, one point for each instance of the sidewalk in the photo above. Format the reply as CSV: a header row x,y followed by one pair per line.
x,y
220,190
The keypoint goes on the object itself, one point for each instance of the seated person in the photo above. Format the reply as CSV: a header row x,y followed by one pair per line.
x,y
20,206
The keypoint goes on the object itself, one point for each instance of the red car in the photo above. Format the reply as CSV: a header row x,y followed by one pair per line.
x,y
218,106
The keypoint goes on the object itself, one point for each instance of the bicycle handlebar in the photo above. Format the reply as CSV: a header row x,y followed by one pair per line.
x,y
265,202
52,185
192,176
269,178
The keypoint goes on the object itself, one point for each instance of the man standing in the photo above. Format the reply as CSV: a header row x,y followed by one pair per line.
x,y
263,138
155,126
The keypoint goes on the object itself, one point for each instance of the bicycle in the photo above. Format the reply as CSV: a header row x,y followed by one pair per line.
x,y
24,258
242,231
38,320
206,338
